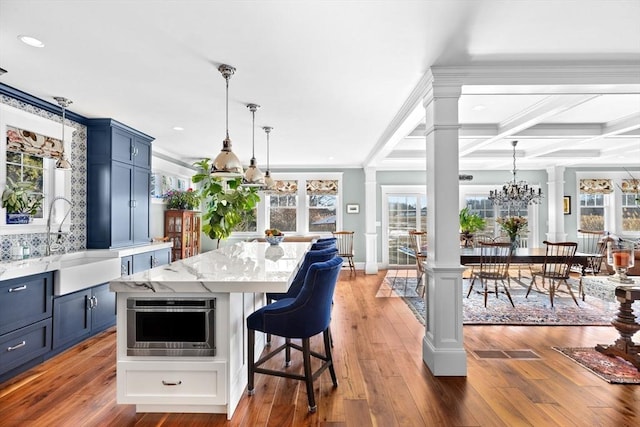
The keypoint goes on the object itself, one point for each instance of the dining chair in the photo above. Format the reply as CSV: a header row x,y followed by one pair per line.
x,y
344,243
556,268
302,317
591,242
418,242
495,258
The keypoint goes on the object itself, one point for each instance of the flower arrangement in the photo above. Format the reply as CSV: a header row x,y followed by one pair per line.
x,y
178,199
513,225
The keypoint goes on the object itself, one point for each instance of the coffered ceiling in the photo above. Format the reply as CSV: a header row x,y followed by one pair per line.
x,y
332,76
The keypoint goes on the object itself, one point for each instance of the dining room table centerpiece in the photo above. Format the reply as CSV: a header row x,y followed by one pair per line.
x,y
513,226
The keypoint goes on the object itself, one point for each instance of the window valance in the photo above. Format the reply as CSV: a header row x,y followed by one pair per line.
x,y
322,186
596,186
285,186
35,144
630,186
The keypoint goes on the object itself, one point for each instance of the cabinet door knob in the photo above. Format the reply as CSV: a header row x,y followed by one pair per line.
x,y
95,301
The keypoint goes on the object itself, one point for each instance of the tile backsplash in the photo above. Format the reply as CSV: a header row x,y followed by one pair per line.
x,y
77,239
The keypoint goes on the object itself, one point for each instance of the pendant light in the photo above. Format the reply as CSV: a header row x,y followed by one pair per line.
x,y
226,164
253,176
62,163
269,183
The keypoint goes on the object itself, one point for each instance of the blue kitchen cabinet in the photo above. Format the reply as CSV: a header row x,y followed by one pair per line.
x,y
81,314
151,259
118,185
25,322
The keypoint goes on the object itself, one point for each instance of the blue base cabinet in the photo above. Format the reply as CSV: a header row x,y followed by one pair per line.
x,y
118,185
81,314
25,322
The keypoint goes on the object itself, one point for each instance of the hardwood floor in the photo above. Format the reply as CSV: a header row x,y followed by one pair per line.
x,y
382,380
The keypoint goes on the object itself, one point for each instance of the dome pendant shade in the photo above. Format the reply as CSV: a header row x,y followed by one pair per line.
x,y
63,164
226,164
253,176
269,183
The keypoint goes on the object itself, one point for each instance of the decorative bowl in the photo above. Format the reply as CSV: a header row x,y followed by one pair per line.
x,y
274,240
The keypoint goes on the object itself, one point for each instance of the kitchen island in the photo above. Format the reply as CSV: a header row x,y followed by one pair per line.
x,y
156,370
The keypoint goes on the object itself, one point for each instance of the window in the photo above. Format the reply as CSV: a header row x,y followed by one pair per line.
x,y
283,212
26,168
322,212
630,212
304,203
401,213
592,214
482,206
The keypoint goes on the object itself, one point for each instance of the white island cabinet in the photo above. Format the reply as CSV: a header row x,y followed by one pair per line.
x,y
235,278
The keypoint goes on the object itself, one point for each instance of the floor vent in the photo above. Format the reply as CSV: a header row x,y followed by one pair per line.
x,y
505,354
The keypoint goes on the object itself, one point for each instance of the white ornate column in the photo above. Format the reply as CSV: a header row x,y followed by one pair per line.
x,y
555,196
442,349
371,237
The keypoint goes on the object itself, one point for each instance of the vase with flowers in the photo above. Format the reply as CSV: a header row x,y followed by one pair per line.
x,y
179,199
513,226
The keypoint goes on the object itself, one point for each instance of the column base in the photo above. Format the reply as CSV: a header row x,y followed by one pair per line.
x,y
444,362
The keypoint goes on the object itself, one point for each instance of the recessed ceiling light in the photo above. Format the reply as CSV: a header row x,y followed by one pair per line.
x,y
178,128
31,41
479,107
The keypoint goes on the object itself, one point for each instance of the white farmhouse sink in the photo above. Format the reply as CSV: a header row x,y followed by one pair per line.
x,y
81,270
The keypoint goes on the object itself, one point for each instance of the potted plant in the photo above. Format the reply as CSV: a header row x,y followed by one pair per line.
x,y
179,199
224,202
469,224
20,201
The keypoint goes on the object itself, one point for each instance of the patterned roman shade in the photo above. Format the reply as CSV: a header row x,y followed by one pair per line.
x,y
285,186
596,186
630,186
35,144
322,186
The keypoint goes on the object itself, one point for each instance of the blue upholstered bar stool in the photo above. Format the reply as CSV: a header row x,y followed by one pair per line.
x,y
303,317
327,242
310,257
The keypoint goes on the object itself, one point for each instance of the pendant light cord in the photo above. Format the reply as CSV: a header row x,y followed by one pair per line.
x,y
226,78
514,143
253,134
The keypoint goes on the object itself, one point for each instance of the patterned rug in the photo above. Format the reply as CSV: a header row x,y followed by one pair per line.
x,y
534,310
611,369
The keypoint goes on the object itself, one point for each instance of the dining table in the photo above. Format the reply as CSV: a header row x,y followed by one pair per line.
x,y
523,256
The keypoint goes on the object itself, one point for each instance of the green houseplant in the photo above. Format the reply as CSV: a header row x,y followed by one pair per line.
x,y
470,223
20,201
179,199
224,202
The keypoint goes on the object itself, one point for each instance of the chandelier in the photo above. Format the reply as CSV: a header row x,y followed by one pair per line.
x,y
515,195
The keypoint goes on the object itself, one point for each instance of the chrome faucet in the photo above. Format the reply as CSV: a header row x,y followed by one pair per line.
x,y
59,232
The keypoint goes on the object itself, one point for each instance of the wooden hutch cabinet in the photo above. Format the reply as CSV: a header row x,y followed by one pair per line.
x,y
182,227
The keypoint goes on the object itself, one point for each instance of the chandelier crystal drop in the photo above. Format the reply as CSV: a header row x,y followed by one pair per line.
x,y
269,183
62,163
253,176
515,195
226,164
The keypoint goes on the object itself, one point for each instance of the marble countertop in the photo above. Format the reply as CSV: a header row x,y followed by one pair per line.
x,y
43,264
240,267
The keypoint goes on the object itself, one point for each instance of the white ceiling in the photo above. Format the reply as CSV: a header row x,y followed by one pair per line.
x,y
330,75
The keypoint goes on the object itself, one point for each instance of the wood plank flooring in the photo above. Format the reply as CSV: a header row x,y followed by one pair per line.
x,y
382,380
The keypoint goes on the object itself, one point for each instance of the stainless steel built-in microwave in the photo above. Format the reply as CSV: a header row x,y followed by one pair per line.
x,y
171,327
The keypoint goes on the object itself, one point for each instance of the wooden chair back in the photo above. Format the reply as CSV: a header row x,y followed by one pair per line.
x,y
344,243
592,242
558,259
495,258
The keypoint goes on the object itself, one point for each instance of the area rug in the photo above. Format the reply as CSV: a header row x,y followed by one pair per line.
x,y
534,310
611,369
